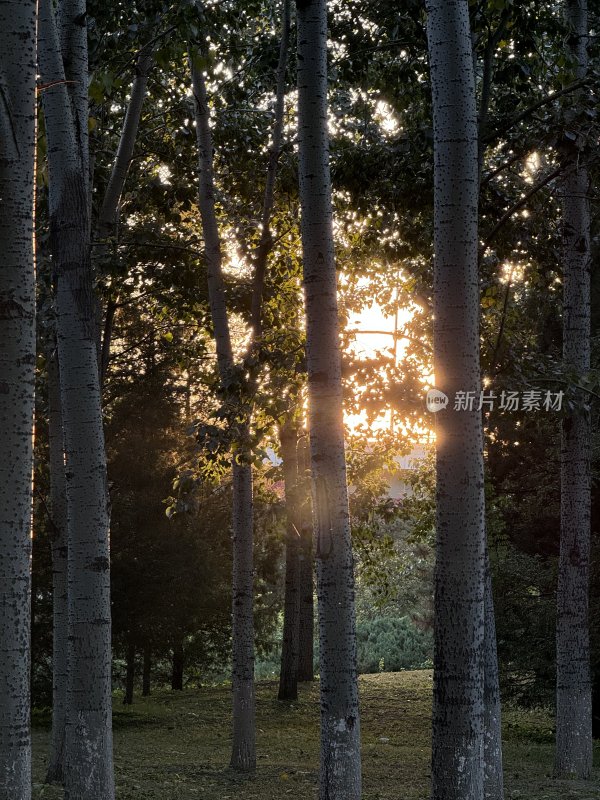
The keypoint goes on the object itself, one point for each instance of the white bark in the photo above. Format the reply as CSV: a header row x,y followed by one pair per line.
x,y
110,204
17,363
340,723
458,711
58,496
493,777
573,675
88,740
244,729
109,213
243,756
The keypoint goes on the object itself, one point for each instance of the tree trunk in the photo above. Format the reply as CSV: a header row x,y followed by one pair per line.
x,y
55,773
17,343
129,675
288,676
307,611
177,667
88,741
109,212
493,778
244,746
573,674
146,671
340,777
458,706
243,755
108,216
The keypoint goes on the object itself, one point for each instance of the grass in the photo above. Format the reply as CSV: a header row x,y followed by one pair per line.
x,y
175,746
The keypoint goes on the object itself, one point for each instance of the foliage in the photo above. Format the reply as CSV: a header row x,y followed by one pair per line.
x,y
391,644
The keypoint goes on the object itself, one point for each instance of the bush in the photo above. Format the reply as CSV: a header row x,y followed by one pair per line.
x,y
391,644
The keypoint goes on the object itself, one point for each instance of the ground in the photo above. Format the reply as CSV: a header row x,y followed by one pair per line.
x,y
175,746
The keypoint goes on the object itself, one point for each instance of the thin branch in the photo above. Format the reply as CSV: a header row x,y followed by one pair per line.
x,y
266,241
517,206
505,165
510,123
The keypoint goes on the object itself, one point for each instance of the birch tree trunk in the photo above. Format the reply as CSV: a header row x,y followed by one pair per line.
x,y
493,767
458,704
493,777
107,218
55,773
307,612
243,756
573,674
88,740
340,777
17,363
288,674
109,212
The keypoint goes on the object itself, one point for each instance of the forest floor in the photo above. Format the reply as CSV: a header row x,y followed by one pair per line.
x,y
175,745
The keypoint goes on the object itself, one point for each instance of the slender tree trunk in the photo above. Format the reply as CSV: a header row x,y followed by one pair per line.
x,y
307,611
243,756
108,216
146,671
88,740
129,675
458,706
55,773
17,358
493,768
340,724
493,778
288,675
266,241
573,674
109,212
177,666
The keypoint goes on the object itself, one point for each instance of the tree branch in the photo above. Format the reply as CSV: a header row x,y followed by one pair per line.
x,y
266,241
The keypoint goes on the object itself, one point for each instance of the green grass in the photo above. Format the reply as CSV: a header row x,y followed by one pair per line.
x,y
175,746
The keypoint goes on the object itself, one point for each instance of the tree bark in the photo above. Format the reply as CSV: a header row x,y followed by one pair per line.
x,y
107,218
243,755
177,664
146,671
493,777
88,740
55,773
573,673
307,611
288,675
17,357
340,774
129,675
458,706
